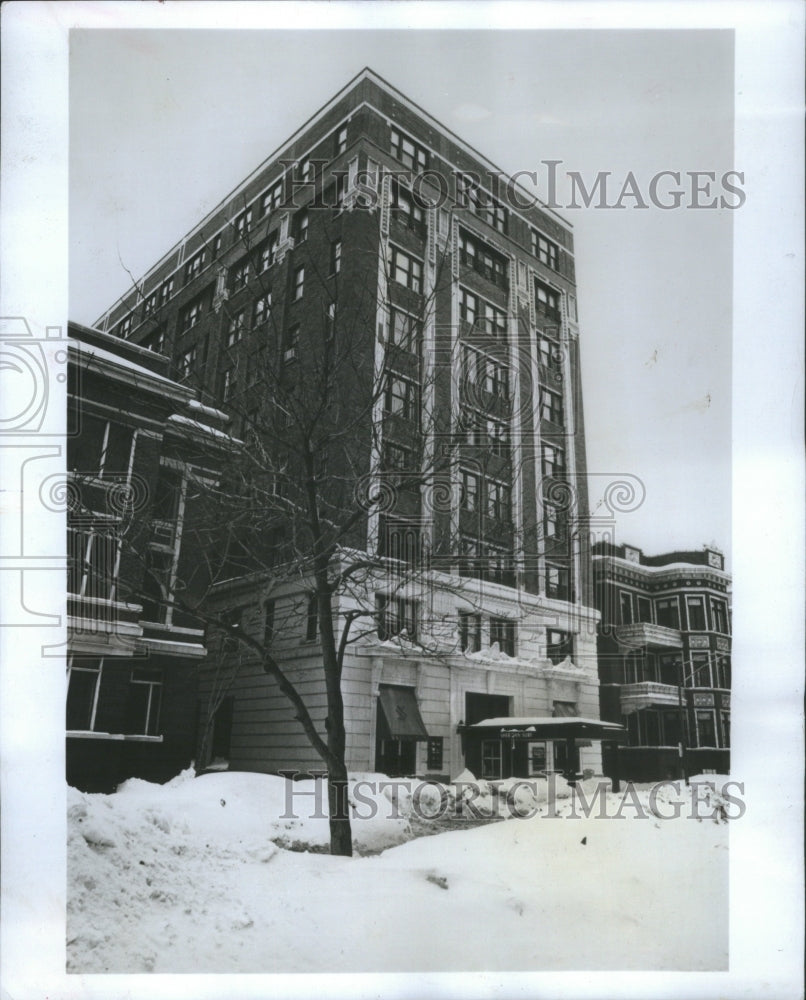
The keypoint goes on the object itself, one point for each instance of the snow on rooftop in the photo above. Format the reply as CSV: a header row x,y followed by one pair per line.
x,y
551,720
124,363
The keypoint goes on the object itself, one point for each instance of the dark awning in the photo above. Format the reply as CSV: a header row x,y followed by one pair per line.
x,y
400,717
552,728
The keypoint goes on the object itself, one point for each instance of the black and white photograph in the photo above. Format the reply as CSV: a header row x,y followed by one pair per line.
x,y
409,446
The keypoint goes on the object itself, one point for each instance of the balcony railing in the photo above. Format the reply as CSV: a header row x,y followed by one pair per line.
x,y
647,634
646,693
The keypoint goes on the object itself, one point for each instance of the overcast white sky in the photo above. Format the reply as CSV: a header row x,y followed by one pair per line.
x,y
164,124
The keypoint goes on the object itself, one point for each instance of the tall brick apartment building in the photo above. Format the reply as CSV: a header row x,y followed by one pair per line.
x,y
665,658
375,224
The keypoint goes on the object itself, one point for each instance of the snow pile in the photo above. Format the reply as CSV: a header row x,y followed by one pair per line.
x,y
194,876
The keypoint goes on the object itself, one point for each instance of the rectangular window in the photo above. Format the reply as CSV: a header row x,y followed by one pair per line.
x,y
301,225
243,222
547,301
490,375
497,436
340,141
194,266
434,754
335,257
667,612
396,616
261,309
125,327
150,304
299,283
408,151
493,321
498,565
545,251
265,256
553,461
406,270
239,275
485,261
143,706
397,458
643,609
499,501
696,613
291,342
155,341
408,209
469,632
551,521
305,169
236,327
719,616
550,359
187,362
400,396
215,247
502,631
484,206
273,198
83,681
167,290
470,490
538,758
404,329
699,670
491,759
559,645
312,619
468,307
191,314
625,603
551,406
558,582
706,728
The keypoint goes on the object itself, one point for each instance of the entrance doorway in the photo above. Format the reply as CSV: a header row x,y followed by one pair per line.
x,y
479,707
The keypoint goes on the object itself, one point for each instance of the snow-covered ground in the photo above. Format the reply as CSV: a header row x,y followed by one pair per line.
x,y
204,875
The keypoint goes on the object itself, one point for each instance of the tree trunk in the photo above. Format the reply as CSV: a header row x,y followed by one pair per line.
x,y
205,745
341,836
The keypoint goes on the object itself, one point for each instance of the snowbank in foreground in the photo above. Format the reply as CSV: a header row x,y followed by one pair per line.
x,y
189,877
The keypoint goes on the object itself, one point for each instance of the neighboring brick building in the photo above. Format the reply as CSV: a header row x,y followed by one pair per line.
x,y
376,219
136,440
664,658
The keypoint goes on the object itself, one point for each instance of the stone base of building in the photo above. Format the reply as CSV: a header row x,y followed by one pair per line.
x,y
661,763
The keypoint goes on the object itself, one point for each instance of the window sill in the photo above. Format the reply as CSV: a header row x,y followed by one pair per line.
x,y
88,734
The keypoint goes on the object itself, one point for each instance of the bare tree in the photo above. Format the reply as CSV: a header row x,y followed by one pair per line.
x,y
333,423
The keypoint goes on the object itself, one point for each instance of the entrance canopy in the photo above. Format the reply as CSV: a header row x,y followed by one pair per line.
x,y
548,728
400,717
